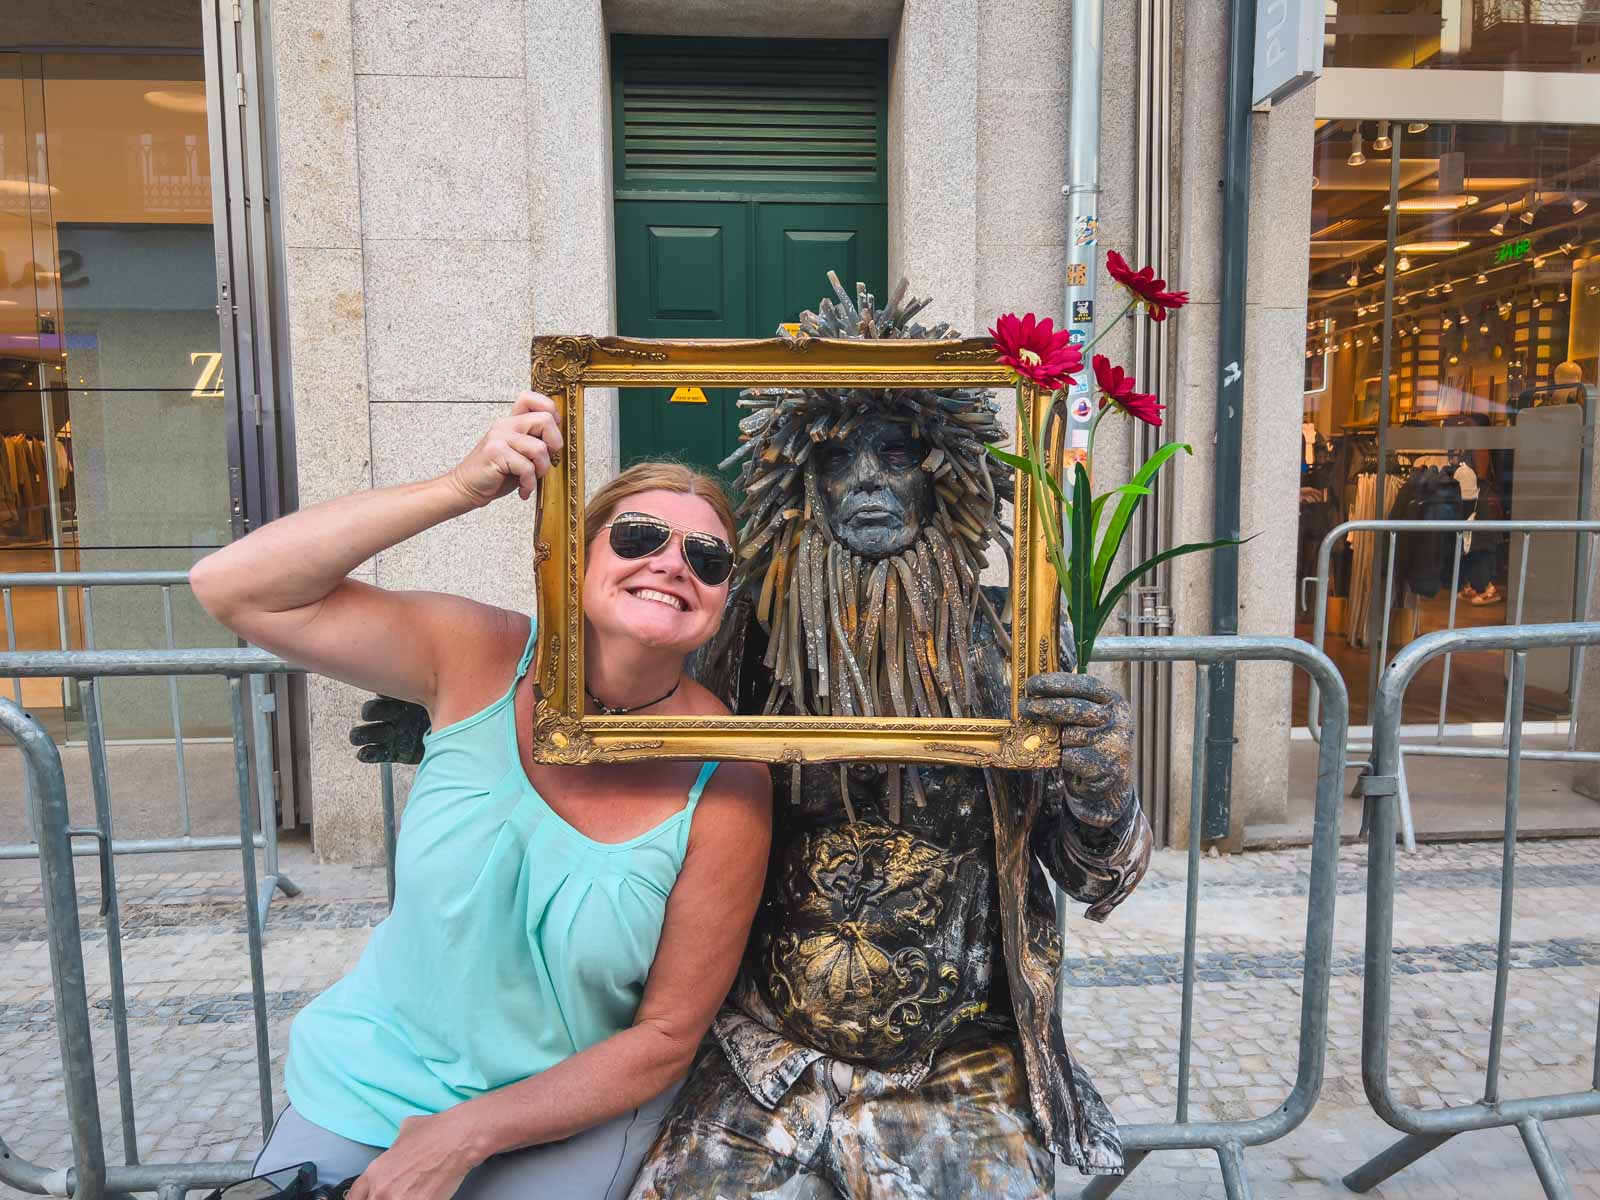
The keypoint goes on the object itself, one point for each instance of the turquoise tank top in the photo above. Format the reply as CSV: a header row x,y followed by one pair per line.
x,y
514,942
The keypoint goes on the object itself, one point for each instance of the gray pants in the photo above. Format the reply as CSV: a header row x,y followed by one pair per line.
x,y
598,1163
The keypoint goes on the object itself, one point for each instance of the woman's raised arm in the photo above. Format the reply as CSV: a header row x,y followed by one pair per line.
x,y
285,587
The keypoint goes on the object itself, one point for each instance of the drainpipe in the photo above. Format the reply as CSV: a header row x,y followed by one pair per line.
x,y
1230,410
1083,205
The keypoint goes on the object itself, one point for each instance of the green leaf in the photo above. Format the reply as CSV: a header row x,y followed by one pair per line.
x,y
1112,542
1029,467
1127,489
1127,581
1080,562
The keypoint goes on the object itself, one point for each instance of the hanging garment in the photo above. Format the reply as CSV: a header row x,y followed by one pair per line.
x,y
1423,559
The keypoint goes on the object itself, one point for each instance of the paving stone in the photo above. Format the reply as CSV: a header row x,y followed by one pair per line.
x,y
191,1035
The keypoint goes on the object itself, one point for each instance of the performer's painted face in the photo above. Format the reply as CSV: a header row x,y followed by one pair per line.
x,y
875,494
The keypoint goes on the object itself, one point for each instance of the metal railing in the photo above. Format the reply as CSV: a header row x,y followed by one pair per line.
x,y
1585,535
90,1177
1229,1139
1426,1129
21,664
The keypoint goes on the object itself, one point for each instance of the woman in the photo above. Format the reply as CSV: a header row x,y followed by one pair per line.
x,y
561,936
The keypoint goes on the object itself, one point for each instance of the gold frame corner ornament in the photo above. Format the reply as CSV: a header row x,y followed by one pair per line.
x,y
563,367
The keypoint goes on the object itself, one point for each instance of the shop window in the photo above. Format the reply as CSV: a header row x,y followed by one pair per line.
x,y
1476,35
1472,337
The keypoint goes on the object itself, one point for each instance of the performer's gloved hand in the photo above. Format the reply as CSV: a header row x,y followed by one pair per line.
x,y
393,733
1096,741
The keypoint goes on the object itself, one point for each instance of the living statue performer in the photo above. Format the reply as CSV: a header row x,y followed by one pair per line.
x,y
893,1031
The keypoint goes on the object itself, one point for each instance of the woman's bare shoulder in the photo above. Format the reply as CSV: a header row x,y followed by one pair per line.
x,y
481,646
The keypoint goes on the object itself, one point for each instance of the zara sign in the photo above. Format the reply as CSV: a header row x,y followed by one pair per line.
x,y
1288,48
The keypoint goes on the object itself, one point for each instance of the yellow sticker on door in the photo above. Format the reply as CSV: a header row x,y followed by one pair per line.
x,y
792,328
688,395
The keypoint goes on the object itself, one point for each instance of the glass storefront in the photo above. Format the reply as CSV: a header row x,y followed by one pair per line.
x,y
1490,338
1472,35
112,409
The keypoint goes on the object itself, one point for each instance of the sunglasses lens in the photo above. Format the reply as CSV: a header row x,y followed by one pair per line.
x,y
289,1183
631,538
709,558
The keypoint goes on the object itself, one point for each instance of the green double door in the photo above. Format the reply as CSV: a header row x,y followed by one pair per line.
x,y
726,269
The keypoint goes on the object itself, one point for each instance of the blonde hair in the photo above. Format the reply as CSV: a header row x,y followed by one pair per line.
x,y
659,477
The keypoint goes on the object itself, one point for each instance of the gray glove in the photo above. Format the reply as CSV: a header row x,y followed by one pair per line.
x,y
393,732
1096,741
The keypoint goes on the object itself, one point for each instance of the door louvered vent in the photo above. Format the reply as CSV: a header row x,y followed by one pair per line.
x,y
750,116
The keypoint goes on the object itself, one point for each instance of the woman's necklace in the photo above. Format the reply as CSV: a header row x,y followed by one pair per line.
x,y
607,710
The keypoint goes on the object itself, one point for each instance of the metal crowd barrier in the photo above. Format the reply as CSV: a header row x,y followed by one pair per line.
x,y
1426,1129
90,1177
1584,534
1229,1139
25,664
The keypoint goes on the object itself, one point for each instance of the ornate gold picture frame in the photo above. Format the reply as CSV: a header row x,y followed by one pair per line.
x,y
564,367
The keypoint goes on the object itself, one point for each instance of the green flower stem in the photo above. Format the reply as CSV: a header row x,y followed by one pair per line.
x,y
1109,328
1088,453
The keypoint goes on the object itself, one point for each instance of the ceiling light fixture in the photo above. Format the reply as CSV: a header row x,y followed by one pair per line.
x,y
1578,205
1447,287
1435,203
1482,279
1356,158
1416,126
1438,246
1449,323
1354,278
1416,328
1404,264
1383,141
1432,292
1530,209
1483,326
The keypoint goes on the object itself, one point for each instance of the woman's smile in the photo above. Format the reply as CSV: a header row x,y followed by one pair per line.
x,y
651,594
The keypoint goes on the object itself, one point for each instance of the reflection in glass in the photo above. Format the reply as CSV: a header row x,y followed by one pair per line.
x,y
112,419
1493,347
1478,35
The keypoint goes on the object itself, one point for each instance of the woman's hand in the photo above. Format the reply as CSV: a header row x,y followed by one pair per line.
x,y
514,454
428,1161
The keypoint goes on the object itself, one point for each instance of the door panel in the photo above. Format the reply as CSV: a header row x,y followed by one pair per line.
x,y
798,244
683,270
713,269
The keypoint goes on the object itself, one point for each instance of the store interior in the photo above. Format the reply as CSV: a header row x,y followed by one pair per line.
x,y
112,420
1460,261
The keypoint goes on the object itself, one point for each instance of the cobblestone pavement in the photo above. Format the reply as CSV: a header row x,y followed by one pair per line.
x,y
192,1033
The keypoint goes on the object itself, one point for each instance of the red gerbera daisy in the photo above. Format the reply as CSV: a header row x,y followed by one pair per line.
x,y
1116,387
1037,350
1151,292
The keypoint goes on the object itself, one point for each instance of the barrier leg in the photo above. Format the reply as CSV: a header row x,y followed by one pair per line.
x,y
1103,1185
1396,1158
252,914
1551,1177
1230,1157
1408,831
100,775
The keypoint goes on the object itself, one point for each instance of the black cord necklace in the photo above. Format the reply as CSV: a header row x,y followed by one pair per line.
x,y
607,710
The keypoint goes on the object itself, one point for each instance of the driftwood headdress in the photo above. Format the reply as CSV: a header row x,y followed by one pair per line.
x,y
847,635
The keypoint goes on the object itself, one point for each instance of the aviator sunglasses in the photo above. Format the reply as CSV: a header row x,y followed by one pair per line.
x,y
635,535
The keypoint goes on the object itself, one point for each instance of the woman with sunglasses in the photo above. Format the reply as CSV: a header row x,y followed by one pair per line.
x,y
561,937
